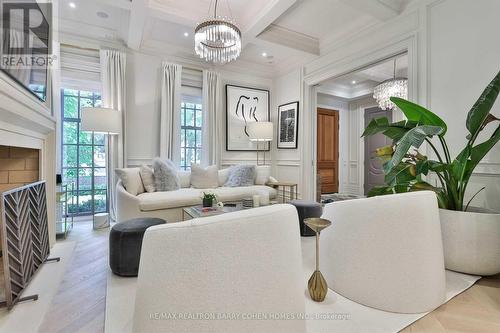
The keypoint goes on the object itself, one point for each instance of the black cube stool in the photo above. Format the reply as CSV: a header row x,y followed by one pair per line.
x,y
306,209
125,241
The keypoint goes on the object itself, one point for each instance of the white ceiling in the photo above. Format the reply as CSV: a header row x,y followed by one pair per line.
x,y
361,83
290,32
319,18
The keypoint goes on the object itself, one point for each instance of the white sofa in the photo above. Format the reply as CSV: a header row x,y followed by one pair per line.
x,y
169,205
247,263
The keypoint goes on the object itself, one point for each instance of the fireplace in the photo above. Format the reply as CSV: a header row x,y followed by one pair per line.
x,y
18,167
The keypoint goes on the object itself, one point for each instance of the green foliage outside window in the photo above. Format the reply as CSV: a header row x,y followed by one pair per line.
x,y
83,154
191,134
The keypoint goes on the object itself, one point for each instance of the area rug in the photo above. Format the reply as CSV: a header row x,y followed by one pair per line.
x,y
28,316
343,314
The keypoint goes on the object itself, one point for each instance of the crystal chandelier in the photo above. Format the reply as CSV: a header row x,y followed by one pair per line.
x,y
217,39
395,87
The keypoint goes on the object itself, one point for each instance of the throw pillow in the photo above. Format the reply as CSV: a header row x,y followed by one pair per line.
x,y
185,177
131,180
263,174
204,177
241,175
148,178
166,177
223,174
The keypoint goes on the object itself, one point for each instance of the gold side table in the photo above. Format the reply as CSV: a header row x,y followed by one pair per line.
x,y
317,284
286,190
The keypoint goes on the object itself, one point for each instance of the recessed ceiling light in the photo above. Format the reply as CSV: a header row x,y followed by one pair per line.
x,y
72,5
264,54
102,15
353,82
186,34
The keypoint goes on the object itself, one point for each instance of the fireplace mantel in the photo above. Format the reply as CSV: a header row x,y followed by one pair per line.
x,y
27,122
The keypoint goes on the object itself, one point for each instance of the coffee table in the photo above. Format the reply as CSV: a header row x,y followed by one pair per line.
x,y
195,212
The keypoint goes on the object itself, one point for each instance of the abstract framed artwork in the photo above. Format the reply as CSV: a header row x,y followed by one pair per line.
x,y
243,106
288,125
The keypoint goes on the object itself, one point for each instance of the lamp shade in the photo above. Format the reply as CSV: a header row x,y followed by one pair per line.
x,y
101,120
260,131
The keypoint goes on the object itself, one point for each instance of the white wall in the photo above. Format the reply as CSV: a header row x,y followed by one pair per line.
x,y
464,51
143,108
286,162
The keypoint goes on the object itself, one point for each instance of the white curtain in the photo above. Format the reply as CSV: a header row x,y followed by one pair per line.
x,y
170,112
211,122
113,64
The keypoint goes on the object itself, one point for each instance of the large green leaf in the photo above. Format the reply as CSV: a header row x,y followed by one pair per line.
x,y
479,112
413,138
415,112
402,173
479,152
375,126
380,190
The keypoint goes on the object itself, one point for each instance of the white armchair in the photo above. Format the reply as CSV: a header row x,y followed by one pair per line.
x,y
246,263
386,252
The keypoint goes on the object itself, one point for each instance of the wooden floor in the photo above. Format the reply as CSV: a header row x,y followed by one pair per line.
x,y
79,305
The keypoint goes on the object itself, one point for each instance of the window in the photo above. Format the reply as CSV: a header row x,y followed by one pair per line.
x,y
83,154
191,131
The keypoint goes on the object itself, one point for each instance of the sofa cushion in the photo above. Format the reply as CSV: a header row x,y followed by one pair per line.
x,y
148,179
241,175
131,180
183,197
186,197
166,178
239,193
204,177
185,177
263,172
223,175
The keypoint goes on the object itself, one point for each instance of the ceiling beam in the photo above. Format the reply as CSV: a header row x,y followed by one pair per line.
x,y
291,39
376,8
138,15
268,15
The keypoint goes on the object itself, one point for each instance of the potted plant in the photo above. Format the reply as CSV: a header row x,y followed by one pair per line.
x,y
471,236
209,199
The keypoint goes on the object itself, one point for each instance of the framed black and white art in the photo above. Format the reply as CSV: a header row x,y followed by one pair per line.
x,y
243,106
288,125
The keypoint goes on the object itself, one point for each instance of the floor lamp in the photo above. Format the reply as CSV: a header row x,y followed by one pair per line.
x,y
104,121
261,131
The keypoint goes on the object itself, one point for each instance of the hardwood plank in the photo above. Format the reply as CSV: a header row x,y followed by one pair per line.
x,y
80,303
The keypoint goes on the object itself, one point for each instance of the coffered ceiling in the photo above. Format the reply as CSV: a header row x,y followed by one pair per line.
x,y
277,34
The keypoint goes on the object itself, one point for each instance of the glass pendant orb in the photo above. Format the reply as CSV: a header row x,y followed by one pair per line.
x,y
397,87
217,41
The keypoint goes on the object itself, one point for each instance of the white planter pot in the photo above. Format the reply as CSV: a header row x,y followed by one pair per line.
x,y
471,241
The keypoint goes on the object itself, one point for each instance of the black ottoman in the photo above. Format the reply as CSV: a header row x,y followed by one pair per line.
x,y
125,241
306,209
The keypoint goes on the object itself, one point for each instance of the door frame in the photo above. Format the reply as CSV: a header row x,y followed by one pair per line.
x,y
329,108
370,57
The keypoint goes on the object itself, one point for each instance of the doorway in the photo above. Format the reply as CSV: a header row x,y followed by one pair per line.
x,y
328,150
374,172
